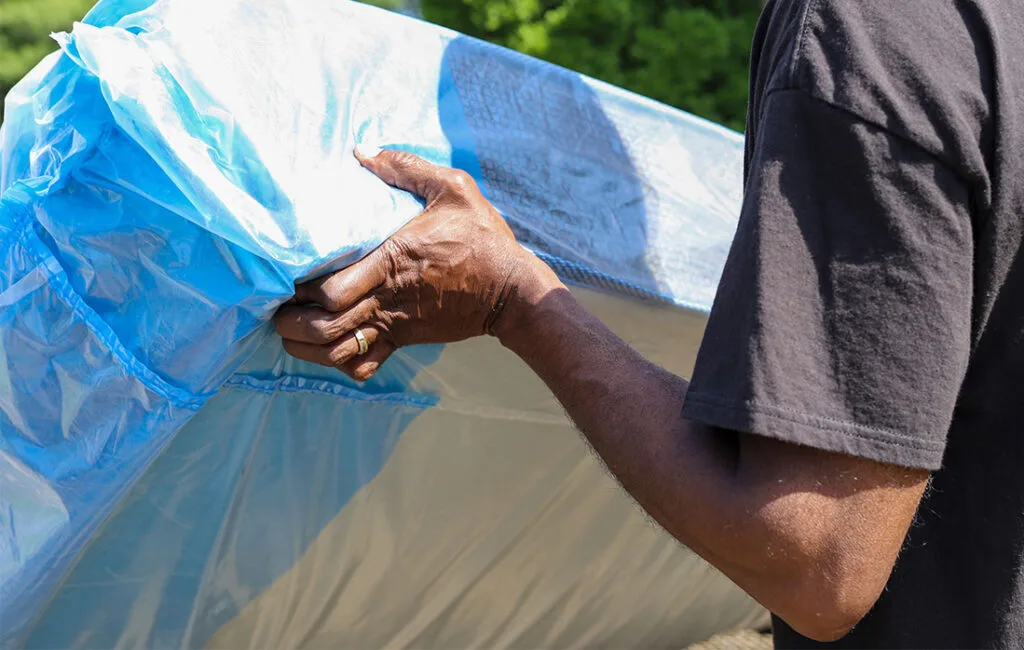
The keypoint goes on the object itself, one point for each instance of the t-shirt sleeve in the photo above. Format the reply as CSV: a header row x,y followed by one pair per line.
x,y
843,317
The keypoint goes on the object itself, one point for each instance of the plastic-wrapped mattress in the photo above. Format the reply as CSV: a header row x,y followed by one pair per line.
x,y
169,478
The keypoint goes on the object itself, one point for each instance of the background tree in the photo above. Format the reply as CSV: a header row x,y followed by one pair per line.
x,y
692,54
25,27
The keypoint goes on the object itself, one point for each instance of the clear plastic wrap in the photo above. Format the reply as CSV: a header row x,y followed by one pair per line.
x,y
168,478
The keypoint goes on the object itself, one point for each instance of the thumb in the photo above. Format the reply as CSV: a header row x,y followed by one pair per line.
x,y
403,170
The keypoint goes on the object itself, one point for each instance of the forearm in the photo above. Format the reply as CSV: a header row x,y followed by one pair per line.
x,y
755,508
683,474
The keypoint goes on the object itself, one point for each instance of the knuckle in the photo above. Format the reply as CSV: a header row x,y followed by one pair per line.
x,y
387,320
315,291
460,181
322,298
405,164
383,319
398,255
366,313
402,158
374,307
320,330
331,304
392,249
331,291
331,301
387,298
338,355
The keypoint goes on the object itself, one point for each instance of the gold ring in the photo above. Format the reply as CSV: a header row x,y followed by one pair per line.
x,y
364,345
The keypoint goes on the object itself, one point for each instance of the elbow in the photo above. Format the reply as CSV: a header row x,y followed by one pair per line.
x,y
826,627
826,610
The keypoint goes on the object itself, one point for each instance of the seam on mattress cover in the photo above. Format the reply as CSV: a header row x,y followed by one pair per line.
x,y
59,284
297,384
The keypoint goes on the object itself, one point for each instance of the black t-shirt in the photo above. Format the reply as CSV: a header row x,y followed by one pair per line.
x,y
873,300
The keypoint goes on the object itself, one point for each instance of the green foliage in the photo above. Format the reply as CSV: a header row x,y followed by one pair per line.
x,y
693,54
25,27
393,5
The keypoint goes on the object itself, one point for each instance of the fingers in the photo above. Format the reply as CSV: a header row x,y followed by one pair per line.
x,y
365,367
338,354
411,173
344,355
318,326
337,292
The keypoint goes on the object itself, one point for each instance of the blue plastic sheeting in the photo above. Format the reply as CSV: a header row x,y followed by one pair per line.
x,y
166,178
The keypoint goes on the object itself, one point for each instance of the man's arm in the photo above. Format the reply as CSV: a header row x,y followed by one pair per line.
x,y
812,535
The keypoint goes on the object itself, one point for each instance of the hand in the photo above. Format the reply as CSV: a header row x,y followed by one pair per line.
x,y
445,277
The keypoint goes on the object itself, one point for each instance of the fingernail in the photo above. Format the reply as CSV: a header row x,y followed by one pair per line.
x,y
367,151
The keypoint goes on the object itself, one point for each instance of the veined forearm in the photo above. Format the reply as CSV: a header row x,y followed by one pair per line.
x,y
683,474
751,506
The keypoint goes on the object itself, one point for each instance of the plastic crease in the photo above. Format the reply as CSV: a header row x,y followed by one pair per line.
x,y
169,478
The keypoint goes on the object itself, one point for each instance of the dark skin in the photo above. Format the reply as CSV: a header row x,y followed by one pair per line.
x,y
812,535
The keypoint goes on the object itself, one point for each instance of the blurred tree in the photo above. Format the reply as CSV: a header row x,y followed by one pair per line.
x,y
693,54
25,27
393,5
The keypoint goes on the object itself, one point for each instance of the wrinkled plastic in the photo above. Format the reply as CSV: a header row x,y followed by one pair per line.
x,y
168,478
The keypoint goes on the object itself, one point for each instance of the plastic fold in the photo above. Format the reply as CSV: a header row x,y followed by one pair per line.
x,y
169,478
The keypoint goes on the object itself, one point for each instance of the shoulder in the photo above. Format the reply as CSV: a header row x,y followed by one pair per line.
x,y
921,69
